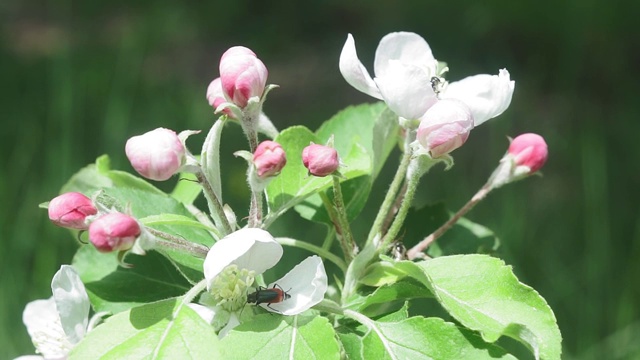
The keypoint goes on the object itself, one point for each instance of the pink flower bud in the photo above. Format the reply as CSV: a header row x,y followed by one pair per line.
x,y
157,154
215,96
529,150
320,160
269,158
242,74
70,209
445,127
114,232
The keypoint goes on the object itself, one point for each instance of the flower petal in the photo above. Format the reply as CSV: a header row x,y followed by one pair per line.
x,y
72,302
408,48
354,72
407,90
487,96
306,283
249,248
29,357
43,324
205,312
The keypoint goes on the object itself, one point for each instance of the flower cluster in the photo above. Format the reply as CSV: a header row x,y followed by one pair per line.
x,y
232,260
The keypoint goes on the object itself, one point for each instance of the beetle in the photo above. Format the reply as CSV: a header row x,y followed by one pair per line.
x,y
273,295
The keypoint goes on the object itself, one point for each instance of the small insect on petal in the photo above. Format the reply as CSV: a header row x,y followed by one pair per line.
x,y
273,295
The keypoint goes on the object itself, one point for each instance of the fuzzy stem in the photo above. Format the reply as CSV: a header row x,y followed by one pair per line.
x,y
331,210
215,207
194,291
399,177
342,218
394,210
329,306
255,210
417,250
168,241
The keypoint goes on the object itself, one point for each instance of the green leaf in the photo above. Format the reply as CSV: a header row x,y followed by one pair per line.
x,y
187,189
114,289
483,294
374,128
465,237
294,184
143,205
277,337
387,298
163,330
416,338
174,219
382,273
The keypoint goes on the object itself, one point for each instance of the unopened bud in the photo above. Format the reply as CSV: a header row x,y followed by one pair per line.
x,y
269,158
320,160
157,154
445,127
242,75
70,210
215,96
529,150
114,232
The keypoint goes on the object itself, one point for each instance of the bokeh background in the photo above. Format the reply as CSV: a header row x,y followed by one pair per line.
x,y
77,78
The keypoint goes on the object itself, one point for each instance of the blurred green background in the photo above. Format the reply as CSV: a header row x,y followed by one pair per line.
x,y
79,78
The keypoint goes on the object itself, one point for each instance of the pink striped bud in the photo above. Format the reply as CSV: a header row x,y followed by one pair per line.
x,y
242,75
445,127
269,158
70,210
157,154
114,232
215,96
320,160
529,150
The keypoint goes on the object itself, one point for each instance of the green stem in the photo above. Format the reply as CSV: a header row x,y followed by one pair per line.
x,y
328,239
417,250
168,241
215,207
333,215
413,179
255,210
329,306
389,199
194,291
314,249
342,217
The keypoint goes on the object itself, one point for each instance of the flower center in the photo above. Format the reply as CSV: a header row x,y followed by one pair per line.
x,y
229,288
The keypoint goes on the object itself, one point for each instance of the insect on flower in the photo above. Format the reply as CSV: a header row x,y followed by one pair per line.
x,y
273,295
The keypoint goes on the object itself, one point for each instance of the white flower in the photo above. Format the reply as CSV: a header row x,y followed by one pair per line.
x,y
487,96
58,323
404,69
231,267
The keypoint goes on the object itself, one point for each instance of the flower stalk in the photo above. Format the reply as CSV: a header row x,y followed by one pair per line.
x,y
173,242
215,207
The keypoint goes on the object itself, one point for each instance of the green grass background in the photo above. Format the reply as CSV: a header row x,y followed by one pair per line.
x,y
77,78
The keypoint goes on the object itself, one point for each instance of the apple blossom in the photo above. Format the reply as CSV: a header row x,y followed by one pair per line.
x,y
157,154
269,159
320,160
114,232
527,154
231,267
404,66
70,210
444,127
58,323
215,96
242,75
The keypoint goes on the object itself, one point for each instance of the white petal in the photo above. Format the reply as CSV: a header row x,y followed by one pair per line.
x,y
354,72
406,90
233,322
29,357
205,312
486,95
406,47
249,248
306,283
72,302
43,324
